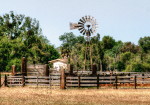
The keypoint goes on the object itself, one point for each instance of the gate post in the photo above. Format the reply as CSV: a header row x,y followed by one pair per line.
x,y
94,69
24,66
46,70
71,69
23,80
6,80
135,82
116,82
62,79
0,79
13,67
98,81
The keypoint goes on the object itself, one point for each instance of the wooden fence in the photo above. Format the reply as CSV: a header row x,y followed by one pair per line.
x,y
38,81
99,81
66,81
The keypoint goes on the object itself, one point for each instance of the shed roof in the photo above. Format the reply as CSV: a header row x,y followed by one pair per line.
x,y
59,60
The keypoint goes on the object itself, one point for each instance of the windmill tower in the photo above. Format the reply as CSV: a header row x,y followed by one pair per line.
x,y
86,26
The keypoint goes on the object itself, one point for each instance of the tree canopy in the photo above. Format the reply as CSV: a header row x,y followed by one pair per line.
x,y
21,36
108,54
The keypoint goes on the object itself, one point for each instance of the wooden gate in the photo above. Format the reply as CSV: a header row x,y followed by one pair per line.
x,y
53,80
14,81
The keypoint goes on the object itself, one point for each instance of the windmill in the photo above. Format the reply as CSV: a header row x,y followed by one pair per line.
x,y
87,26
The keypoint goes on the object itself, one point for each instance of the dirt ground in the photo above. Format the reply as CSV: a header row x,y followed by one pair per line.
x,y
45,96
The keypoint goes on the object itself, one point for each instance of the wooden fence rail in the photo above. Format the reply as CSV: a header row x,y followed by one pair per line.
x,y
97,81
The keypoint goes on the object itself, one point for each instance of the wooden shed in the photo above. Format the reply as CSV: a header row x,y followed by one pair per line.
x,y
59,63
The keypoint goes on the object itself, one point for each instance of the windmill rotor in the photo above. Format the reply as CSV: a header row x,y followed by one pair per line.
x,y
86,25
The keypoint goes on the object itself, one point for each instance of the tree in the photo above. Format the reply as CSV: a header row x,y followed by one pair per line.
x,y
21,36
69,40
130,47
108,42
144,43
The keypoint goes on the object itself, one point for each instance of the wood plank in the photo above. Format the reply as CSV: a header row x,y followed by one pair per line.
x,y
72,81
71,85
88,84
14,81
106,81
143,77
31,80
43,77
31,84
88,78
112,77
14,84
125,77
43,84
71,78
14,76
30,77
124,81
53,74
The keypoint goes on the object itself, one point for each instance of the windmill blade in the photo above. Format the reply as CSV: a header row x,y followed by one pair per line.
x,y
80,28
84,32
81,21
92,19
86,18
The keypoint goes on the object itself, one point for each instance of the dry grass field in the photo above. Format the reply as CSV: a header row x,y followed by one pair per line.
x,y
42,96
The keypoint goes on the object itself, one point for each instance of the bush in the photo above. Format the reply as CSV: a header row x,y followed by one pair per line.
x,y
138,67
119,65
126,56
146,67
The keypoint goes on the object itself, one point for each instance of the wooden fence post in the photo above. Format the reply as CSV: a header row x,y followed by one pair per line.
x,y
46,70
49,81
98,81
70,68
6,80
24,66
135,82
13,67
94,69
116,81
143,78
62,79
23,81
37,81
0,79
79,81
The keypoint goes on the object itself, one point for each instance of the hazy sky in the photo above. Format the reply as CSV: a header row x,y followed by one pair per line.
x,y
125,20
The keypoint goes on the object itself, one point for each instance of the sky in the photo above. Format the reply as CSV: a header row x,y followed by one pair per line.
x,y
125,20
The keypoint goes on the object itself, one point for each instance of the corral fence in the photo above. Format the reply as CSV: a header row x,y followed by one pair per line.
x,y
65,80
53,80
100,81
107,79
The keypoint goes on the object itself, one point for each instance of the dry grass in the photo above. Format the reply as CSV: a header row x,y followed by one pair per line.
x,y
41,96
